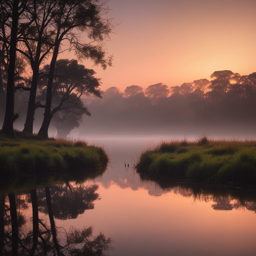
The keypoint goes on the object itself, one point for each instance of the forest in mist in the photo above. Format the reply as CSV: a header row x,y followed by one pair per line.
x,y
223,106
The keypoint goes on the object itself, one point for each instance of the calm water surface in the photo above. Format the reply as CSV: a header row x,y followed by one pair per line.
x,y
141,218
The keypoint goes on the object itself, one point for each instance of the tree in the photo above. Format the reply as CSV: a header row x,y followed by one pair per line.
x,y
73,17
201,84
9,110
35,44
71,81
157,91
185,88
221,80
133,90
70,117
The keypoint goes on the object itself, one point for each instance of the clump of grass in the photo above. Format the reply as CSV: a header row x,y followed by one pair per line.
x,y
48,156
184,143
24,150
182,150
203,141
223,150
228,162
80,144
167,147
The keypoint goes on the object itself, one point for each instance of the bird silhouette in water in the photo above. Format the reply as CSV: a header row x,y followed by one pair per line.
x,y
124,164
127,165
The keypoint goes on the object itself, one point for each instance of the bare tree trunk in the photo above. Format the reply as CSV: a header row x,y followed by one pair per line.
x,y
14,224
28,127
2,98
9,110
2,204
35,220
43,132
52,222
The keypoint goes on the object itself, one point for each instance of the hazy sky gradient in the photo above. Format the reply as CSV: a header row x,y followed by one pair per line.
x,y
176,41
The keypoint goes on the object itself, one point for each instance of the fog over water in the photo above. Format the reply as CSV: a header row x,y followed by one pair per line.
x,y
222,108
147,218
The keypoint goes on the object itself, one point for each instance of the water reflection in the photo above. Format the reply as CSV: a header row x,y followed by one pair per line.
x,y
223,198
43,237
142,217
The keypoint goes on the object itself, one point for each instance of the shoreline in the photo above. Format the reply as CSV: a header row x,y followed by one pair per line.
x,y
204,161
29,155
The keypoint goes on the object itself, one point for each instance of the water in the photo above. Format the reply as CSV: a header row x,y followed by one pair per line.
x,y
140,217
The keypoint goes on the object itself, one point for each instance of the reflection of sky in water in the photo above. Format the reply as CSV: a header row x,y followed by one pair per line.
x,y
143,219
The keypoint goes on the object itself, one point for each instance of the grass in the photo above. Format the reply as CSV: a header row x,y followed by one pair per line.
x,y
26,155
202,161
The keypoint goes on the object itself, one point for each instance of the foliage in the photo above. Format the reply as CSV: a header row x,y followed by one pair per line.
x,y
222,107
228,162
32,156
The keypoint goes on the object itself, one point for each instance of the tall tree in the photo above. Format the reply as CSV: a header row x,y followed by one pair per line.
x,y
9,109
157,91
35,44
133,90
72,17
13,11
71,81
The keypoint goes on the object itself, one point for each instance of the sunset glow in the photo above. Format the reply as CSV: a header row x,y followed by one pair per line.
x,y
178,41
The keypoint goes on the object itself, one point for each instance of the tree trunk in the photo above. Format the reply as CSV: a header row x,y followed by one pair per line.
x,y
9,109
52,222
28,127
35,220
2,205
2,98
14,224
43,132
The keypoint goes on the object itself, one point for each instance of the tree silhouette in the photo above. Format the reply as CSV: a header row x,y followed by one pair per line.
x,y
157,91
43,239
14,9
70,116
83,16
35,44
71,81
68,202
133,90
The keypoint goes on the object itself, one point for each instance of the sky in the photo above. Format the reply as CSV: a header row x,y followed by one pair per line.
x,y
177,41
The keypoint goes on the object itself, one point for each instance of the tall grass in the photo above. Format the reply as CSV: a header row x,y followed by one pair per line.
x,y
204,161
28,156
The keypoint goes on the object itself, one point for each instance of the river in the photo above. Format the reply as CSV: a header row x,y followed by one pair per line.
x,y
149,218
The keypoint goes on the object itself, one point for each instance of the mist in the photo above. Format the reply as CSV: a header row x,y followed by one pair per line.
x,y
223,108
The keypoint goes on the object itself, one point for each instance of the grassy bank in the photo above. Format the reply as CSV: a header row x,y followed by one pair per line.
x,y
204,161
27,155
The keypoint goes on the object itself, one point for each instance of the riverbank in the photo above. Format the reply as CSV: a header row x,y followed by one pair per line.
x,y
203,161
26,155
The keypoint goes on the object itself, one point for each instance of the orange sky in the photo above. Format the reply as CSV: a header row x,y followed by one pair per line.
x,y
176,41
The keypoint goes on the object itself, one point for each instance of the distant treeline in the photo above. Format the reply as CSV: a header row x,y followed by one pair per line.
x,y
222,106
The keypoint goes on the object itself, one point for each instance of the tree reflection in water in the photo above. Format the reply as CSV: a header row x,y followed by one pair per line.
x,y
60,201
223,198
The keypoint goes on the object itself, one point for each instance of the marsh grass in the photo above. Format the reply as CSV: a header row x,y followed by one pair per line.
x,y
202,161
23,156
